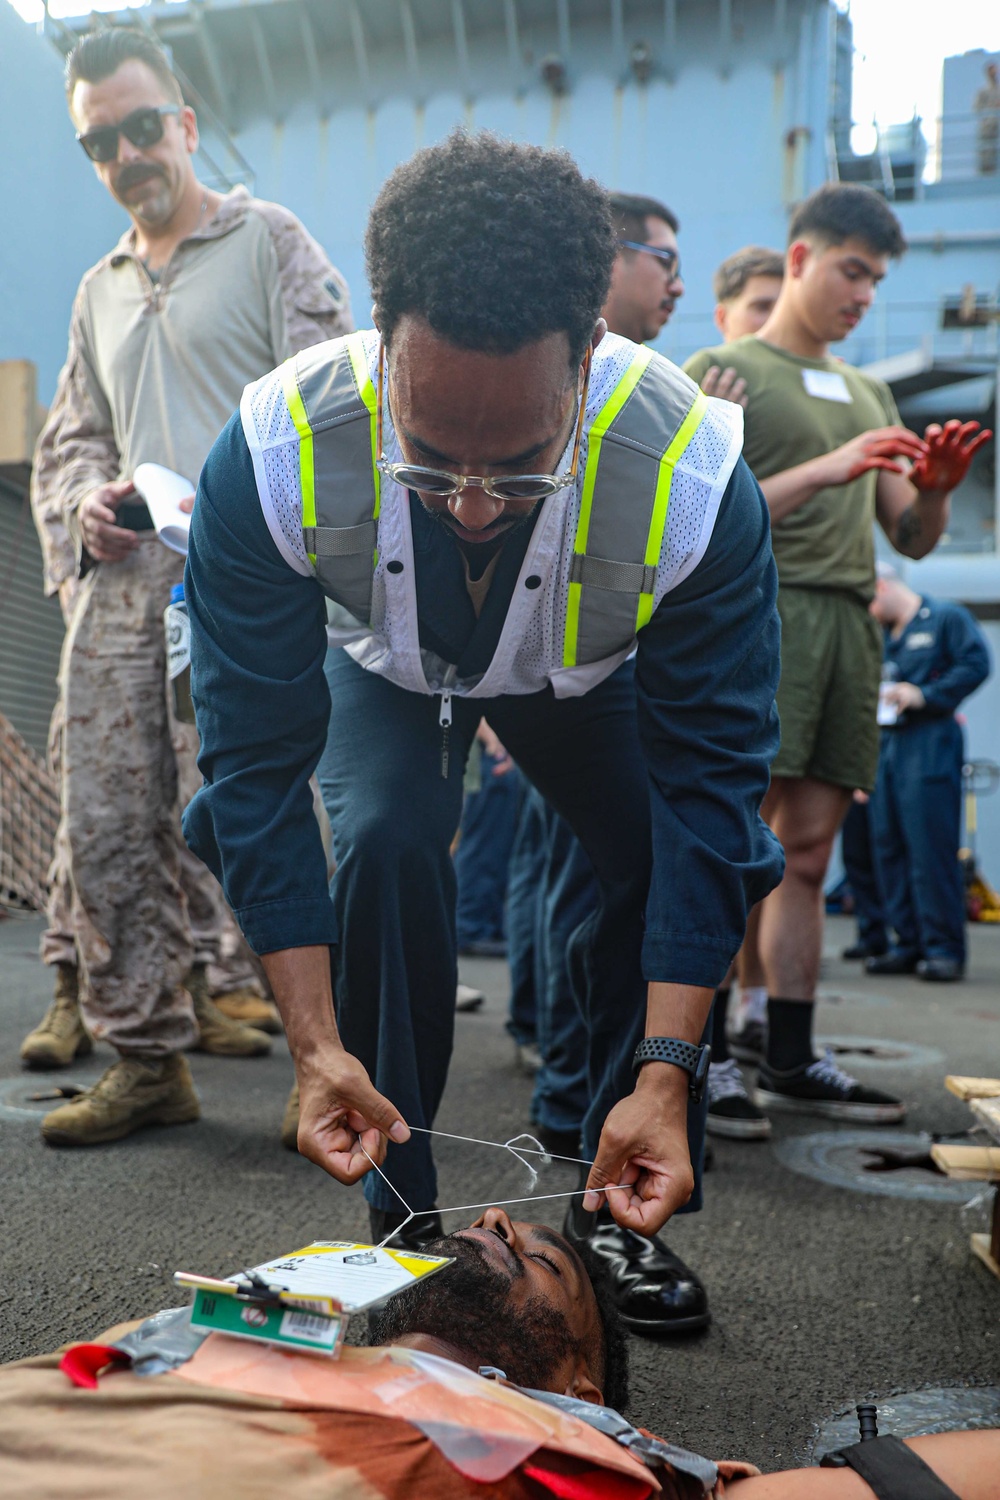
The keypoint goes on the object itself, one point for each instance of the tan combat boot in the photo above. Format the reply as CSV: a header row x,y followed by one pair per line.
x,y
290,1124
252,1009
62,1035
134,1092
217,1033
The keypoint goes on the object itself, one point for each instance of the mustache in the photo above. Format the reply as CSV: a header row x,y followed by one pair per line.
x,y
136,172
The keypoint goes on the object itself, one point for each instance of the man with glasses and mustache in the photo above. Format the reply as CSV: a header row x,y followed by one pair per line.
x,y
203,293
646,280
510,502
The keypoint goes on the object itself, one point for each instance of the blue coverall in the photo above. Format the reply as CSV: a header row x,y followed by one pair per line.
x,y
916,807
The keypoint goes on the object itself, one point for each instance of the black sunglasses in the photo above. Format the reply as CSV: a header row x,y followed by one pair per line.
x,y
143,127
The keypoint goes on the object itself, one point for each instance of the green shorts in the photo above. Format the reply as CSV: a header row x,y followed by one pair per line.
x,y
831,665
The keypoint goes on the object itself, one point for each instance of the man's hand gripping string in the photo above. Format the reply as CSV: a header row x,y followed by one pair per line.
x,y
644,1145
345,1124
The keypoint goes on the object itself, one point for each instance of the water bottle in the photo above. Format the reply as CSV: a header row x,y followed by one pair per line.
x,y
178,630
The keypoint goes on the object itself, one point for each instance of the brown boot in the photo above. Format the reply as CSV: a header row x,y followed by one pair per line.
x,y
290,1124
217,1033
252,1009
134,1092
62,1035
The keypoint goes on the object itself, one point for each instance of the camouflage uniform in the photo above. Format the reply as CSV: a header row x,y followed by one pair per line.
x,y
154,370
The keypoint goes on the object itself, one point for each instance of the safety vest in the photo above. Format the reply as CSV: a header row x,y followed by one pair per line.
x,y
655,460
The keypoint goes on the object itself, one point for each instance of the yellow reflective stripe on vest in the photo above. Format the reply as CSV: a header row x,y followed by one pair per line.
x,y
307,472
599,427
366,390
661,500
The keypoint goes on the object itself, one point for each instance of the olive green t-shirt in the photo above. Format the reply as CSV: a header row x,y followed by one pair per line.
x,y
796,410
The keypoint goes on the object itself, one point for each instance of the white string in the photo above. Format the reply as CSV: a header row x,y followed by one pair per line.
x,y
516,1151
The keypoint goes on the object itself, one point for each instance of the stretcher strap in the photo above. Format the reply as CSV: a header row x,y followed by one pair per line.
x,y
894,1472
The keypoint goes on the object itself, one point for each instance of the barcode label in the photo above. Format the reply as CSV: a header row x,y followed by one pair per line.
x,y
308,1326
319,1305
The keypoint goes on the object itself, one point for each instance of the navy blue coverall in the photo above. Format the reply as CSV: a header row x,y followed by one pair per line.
x,y
917,804
659,770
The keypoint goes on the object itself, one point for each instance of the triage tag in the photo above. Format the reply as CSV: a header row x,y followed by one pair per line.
x,y
303,1300
828,385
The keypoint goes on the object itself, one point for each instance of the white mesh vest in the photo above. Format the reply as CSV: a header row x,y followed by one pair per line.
x,y
655,460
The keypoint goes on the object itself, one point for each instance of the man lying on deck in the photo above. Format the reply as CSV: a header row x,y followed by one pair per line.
x,y
426,1412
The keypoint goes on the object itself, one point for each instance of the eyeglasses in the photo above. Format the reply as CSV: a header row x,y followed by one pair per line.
x,y
670,258
143,127
443,483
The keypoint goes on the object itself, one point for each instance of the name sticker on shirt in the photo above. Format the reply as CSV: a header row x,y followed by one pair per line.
x,y
828,385
919,638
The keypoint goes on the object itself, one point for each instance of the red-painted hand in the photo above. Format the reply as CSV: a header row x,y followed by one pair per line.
x,y
881,448
950,450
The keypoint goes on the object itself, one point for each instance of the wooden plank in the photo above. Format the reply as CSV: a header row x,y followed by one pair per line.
x,y
972,1088
968,1163
981,1248
987,1111
18,411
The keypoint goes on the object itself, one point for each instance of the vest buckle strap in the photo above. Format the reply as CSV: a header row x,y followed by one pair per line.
x,y
617,577
340,541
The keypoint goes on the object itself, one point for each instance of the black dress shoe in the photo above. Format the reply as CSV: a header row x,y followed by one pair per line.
x,y
862,950
894,961
654,1291
417,1233
941,970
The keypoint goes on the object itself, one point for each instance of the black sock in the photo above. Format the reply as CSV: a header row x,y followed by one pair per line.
x,y
720,1009
789,1034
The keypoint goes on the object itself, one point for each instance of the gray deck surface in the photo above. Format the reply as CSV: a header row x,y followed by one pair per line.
x,y
821,1296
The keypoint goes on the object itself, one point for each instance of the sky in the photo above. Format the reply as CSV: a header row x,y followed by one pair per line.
x,y
899,48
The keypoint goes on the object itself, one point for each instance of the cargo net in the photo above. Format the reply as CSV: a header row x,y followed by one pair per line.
x,y
29,814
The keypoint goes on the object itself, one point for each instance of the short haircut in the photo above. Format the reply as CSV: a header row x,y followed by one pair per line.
x,y
840,211
614,1350
101,53
494,244
736,270
631,211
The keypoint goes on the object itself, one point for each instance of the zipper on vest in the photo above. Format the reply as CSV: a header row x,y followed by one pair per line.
x,y
444,719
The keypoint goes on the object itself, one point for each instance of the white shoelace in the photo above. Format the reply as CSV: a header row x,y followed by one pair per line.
x,y
825,1070
725,1081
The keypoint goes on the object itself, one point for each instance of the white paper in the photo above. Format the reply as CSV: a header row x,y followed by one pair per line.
x,y
356,1276
163,490
888,713
828,385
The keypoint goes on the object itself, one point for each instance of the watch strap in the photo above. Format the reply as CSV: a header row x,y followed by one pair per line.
x,y
669,1049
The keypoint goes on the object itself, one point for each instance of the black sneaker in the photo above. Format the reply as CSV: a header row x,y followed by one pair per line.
x,y
731,1111
893,961
861,950
941,970
749,1044
821,1088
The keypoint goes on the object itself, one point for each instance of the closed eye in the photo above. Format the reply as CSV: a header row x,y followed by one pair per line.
x,y
553,1265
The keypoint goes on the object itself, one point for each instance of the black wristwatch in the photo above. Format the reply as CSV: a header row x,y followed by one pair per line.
x,y
693,1059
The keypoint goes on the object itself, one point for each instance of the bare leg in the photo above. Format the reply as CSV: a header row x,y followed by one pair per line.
x,y
805,814
749,967
968,1462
